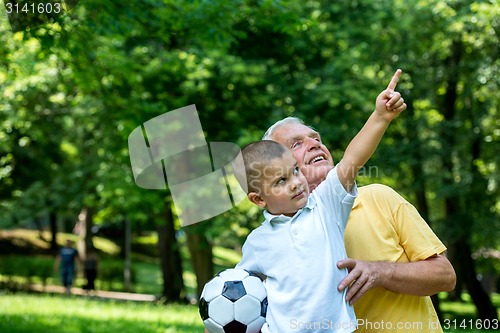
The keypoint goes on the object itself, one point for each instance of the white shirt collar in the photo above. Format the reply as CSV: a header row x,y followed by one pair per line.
x,y
270,218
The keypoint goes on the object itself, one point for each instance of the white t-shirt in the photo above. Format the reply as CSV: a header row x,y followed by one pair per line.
x,y
299,256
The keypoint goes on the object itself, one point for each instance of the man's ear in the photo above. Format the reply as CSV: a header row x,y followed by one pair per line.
x,y
256,199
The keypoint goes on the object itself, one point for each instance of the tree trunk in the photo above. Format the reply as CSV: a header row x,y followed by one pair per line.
x,y
171,264
89,224
200,250
83,228
453,254
53,231
456,213
485,308
127,273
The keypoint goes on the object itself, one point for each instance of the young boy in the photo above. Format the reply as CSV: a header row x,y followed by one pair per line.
x,y
298,245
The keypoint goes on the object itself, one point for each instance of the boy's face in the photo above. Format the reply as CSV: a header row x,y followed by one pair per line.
x,y
283,188
314,159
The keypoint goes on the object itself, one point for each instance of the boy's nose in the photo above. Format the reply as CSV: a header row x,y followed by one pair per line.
x,y
295,183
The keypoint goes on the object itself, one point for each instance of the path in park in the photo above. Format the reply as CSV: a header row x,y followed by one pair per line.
x,y
51,289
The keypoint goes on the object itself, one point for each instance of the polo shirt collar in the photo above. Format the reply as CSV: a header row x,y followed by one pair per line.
x,y
356,202
272,219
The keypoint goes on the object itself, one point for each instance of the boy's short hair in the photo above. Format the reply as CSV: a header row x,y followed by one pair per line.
x,y
256,156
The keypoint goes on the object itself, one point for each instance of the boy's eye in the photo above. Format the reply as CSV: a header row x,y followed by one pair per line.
x,y
280,181
296,170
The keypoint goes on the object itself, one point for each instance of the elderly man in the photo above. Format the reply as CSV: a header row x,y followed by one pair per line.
x,y
395,260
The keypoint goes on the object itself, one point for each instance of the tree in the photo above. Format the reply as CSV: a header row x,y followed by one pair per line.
x,y
74,89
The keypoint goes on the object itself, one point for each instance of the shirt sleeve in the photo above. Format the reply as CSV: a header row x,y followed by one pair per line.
x,y
248,261
416,237
332,194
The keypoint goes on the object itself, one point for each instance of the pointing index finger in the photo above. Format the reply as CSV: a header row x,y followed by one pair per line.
x,y
394,80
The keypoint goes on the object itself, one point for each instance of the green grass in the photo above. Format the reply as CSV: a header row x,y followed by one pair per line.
x,y
21,313
461,316
45,313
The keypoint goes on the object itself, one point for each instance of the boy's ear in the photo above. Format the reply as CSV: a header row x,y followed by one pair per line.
x,y
256,199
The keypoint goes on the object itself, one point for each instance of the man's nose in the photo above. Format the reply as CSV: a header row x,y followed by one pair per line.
x,y
312,143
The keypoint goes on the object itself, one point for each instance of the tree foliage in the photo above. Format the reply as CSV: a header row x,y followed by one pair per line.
x,y
72,91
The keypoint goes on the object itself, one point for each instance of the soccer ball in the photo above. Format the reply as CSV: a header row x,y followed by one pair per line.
x,y
234,301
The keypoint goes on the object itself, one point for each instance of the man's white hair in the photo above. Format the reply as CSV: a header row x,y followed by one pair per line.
x,y
288,120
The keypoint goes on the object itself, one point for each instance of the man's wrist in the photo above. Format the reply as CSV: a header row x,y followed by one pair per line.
x,y
387,271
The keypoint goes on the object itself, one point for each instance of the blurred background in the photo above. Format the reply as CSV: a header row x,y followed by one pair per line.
x,y
73,87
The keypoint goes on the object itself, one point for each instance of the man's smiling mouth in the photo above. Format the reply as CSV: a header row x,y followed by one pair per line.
x,y
317,159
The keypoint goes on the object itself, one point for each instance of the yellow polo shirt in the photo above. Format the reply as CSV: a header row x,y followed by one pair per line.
x,y
383,226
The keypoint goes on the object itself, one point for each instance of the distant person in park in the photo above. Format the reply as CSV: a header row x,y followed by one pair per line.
x,y
297,247
395,260
66,261
90,264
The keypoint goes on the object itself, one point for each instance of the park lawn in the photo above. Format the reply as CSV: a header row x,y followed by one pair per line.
x,y
461,316
23,313
145,265
24,269
43,314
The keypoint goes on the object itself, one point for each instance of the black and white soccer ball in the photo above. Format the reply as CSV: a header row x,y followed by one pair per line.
x,y
234,301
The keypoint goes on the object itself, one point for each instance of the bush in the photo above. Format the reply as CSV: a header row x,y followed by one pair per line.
x,y
28,268
111,271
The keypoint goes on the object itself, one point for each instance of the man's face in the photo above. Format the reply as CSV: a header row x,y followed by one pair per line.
x,y
313,158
